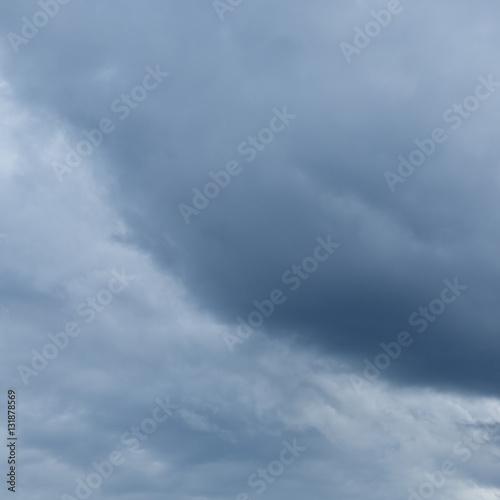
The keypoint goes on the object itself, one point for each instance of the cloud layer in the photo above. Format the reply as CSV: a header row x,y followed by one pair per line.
x,y
290,186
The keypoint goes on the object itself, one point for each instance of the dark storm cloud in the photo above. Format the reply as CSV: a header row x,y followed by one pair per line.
x,y
269,83
322,175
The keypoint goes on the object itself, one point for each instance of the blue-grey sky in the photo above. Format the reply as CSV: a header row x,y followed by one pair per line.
x,y
274,223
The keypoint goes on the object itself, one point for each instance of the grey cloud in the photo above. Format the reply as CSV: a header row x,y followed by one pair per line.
x,y
322,175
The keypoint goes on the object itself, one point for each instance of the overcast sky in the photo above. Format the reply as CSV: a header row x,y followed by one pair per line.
x,y
250,249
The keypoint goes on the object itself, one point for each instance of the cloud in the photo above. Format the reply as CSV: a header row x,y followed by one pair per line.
x,y
320,176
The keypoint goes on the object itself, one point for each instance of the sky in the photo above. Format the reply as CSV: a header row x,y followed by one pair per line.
x,y
250,249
